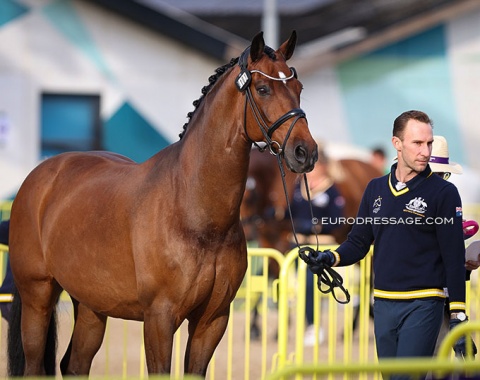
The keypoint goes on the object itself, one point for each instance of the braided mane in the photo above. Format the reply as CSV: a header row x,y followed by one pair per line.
x,y
213,79
211,82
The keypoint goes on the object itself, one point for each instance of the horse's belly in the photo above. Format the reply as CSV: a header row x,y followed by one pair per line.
x,y
108,303
107,288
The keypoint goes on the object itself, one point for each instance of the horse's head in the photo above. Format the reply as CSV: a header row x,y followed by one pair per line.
x,y
272,93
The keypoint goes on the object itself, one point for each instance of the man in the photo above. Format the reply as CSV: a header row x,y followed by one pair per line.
x,y
414,219
378,160
441,165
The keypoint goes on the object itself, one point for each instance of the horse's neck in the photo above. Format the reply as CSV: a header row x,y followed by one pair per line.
x,y
216,152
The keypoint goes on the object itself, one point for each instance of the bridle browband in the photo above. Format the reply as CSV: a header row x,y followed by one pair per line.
x,y
243,81
327,275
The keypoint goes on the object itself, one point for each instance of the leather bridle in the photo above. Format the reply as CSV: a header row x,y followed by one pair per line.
x,y
243,81
326,275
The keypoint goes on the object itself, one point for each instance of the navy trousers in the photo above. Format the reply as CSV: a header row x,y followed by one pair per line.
x,y
407,328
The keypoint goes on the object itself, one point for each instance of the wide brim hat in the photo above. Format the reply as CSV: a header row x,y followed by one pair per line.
x,y
440,159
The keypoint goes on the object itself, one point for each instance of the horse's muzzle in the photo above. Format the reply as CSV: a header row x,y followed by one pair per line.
x,y
301,157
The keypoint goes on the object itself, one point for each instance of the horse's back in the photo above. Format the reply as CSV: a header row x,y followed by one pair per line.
x,y
356,174
56,181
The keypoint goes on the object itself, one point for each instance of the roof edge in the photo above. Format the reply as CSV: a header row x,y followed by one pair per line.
x,y
307,62
180,26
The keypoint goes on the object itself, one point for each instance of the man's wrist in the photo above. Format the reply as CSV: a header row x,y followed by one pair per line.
x,y
461,316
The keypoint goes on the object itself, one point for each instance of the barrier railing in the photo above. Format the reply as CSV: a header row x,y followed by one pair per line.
x,y
440,366
5,207
281,319
340,335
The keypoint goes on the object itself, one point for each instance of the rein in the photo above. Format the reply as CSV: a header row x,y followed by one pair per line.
x,y
326,275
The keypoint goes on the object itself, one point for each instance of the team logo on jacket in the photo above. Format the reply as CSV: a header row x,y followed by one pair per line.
x,y
417,205
377,203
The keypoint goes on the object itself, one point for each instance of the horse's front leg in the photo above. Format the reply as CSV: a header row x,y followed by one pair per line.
x,y
158,331
204,336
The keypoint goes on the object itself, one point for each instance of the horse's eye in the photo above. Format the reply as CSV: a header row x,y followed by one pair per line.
x,y
263,90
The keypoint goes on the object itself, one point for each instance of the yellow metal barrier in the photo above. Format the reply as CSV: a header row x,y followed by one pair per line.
x,y
414,367
440,366
5,207
239,356
336,319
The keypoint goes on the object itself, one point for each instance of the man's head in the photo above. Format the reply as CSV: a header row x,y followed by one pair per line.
x,y
412,139
378,159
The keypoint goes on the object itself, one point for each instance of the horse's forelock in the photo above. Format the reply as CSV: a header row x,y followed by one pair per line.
x,y
270,53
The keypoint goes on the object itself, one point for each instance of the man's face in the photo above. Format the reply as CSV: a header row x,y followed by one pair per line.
x,y
415,148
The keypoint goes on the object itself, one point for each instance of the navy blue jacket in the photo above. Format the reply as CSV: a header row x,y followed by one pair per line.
x,y
417,235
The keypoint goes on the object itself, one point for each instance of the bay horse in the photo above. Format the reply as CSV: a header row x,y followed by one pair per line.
x,y
159,241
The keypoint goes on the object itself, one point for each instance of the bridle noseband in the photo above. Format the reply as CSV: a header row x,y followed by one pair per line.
x,y
243,81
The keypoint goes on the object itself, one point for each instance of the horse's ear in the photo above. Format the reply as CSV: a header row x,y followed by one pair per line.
x,y
257,47
288,47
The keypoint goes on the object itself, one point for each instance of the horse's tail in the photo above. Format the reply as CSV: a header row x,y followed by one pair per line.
x,y
16,355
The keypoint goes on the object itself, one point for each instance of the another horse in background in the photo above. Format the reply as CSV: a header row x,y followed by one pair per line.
x,y
264,209
159,242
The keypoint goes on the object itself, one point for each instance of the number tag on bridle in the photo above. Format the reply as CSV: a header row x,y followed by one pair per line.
x,y
243,80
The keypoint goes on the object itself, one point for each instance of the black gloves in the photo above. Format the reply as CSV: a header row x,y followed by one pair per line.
x,y
317,260
460,346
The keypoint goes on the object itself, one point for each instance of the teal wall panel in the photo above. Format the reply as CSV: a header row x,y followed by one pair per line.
x,y
411,74
62,15
10,10
128,133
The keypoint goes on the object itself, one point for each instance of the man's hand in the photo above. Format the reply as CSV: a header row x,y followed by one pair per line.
x,y
473,264
460,346
317,260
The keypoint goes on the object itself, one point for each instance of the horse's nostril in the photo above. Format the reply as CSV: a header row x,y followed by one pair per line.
x,y
314,156
300,154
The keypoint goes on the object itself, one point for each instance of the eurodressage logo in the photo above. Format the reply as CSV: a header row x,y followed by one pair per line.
x,y
377,204
417,206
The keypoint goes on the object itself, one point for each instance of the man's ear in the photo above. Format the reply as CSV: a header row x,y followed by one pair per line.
x,y
397,143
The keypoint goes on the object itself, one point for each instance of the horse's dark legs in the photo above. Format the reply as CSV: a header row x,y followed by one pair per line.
x,y
203,338
37,309
87,337
254,328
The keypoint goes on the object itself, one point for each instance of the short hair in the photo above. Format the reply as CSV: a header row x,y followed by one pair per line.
x,y
379,151
402,120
